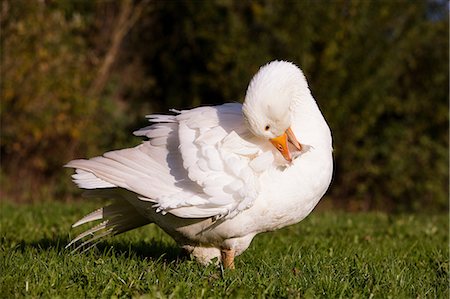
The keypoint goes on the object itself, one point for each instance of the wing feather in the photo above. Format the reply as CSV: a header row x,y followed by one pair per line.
x,y
198,163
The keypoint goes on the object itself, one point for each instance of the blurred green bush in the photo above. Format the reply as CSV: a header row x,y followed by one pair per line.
x,y
78,77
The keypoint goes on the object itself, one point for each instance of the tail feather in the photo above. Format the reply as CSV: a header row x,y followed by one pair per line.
x,y
118,217
89,241
96,215
120,208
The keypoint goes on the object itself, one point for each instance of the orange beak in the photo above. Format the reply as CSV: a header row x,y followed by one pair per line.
x,y
281,143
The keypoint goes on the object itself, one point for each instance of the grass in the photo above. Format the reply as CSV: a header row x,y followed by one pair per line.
x,y
329,255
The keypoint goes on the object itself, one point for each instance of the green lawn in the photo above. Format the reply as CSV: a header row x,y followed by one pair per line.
x,y
329,255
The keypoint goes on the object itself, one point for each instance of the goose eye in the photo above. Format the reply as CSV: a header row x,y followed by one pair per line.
x,y
267,128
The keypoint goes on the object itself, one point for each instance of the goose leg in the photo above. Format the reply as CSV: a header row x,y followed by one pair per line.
x,y
227,258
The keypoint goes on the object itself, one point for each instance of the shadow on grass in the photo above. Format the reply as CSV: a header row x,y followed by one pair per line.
x,y
153,250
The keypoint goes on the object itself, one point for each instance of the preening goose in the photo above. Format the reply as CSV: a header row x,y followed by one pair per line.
x,y
214,177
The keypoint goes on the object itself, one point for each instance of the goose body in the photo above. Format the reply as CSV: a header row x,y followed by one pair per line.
x,y
214,177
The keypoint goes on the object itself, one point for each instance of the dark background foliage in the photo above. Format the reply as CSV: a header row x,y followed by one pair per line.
x,y
78,77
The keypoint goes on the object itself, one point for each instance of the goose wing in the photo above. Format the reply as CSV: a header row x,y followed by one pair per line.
x,y
199,163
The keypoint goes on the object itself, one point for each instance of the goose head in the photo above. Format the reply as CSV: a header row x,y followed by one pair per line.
x,y
271,97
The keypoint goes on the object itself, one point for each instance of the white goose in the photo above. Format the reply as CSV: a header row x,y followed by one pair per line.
x,y
214,177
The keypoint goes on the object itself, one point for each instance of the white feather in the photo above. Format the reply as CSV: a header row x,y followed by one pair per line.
x,y
211,178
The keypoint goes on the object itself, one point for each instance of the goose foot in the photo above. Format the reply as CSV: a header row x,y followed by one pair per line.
x,y
228,258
